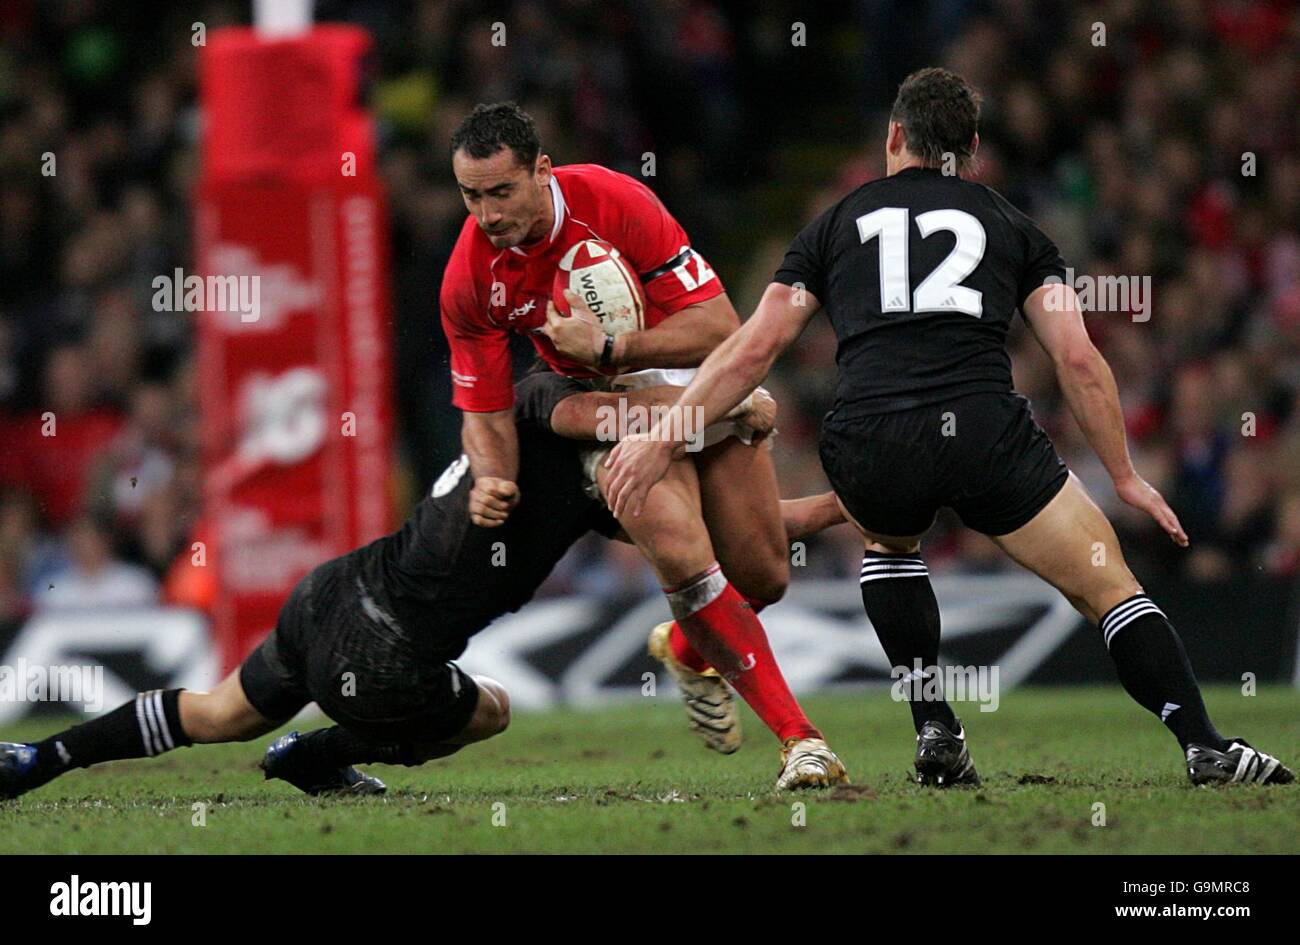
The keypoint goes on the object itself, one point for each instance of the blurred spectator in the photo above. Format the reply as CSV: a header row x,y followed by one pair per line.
x,y
137,465
94,578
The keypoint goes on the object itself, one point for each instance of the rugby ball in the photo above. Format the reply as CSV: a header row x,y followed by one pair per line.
x,y
596,273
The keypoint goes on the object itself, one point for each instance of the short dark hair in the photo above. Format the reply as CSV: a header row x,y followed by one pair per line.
x,y
489,128
940,113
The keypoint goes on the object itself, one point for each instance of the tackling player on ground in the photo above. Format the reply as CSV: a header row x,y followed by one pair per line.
x,y
371,636
524,215
920,273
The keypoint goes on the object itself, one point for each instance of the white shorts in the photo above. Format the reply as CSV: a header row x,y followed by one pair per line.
x,y
594,454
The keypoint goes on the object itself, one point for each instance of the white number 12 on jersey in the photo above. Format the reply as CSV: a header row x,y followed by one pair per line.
x,y
940,292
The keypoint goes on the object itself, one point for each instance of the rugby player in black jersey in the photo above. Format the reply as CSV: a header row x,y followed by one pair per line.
x,y
921,273
371,636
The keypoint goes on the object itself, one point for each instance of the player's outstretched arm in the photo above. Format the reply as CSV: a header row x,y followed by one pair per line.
x,y
725,378
810,515
1089,387
588,416
492,445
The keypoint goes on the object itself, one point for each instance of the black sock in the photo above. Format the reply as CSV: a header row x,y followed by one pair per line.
x,y
337,747
149,724
1154,670
900,603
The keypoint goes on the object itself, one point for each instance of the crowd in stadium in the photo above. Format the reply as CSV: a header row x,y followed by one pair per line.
x,y
1145,148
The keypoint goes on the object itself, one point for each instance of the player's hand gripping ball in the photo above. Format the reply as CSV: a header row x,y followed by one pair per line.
x,y
605,299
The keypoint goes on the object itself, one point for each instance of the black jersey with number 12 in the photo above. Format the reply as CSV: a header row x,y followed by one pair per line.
x,y
921,274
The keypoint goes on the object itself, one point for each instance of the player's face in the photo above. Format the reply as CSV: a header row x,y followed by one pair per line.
x,y
509,200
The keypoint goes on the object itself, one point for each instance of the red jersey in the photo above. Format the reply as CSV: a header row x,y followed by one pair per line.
x,y
487,292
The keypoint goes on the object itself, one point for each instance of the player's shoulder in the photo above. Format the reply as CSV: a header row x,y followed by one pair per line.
x,y
596,182
1013,214
592,175
1014,223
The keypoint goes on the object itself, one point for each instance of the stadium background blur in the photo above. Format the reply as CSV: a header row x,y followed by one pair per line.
x,y
1130,155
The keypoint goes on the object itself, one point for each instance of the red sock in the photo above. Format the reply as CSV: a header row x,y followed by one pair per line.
x,y
681,647
682,650
723,628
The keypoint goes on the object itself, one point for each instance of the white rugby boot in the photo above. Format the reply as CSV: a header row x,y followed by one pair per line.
x,y
809,763
710,705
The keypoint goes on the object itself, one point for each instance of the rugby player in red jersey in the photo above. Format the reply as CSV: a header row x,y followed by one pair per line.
x,y
524,215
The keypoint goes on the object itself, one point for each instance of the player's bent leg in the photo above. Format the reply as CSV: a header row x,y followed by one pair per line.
x,y
670,529
222,715
321,761
673,513
721,625
1072,546
491,714
491,718
745,525
749,539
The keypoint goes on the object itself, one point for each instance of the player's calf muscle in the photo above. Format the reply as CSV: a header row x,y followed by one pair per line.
x,y
222,715
759,570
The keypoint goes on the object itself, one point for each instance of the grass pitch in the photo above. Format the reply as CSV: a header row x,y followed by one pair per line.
x,y
631,779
